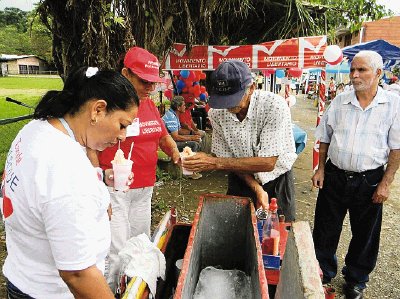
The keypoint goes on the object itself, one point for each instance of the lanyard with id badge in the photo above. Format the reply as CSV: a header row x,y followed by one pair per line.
x,y
133,129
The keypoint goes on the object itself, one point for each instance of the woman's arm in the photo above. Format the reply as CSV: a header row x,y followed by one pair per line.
x,y
168,146
87,284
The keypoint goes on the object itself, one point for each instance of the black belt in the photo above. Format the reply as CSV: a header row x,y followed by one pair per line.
x,y
352,174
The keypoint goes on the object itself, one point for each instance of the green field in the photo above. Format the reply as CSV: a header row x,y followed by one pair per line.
x,y
31,83
28,90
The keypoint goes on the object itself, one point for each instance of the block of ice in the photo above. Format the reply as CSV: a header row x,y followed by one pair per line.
x,y
221,284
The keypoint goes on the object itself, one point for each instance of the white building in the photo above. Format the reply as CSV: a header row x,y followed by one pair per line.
x,y
21,64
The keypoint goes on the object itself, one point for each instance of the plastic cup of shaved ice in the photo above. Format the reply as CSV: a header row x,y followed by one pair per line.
x,y
187,152
121,174
122,170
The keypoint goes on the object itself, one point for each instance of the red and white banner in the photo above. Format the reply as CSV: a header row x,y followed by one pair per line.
x,y
302,52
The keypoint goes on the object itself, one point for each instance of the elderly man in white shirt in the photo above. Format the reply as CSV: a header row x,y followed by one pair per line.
x,y
358,157
252,139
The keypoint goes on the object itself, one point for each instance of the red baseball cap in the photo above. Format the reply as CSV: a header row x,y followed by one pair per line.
x,y
144,64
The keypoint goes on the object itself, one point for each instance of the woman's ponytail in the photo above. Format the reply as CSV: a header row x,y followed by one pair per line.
x,y
53,104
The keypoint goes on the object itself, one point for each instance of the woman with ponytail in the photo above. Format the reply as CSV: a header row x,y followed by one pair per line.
x,y
54,201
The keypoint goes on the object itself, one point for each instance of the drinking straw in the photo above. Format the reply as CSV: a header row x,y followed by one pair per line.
x,y
130,151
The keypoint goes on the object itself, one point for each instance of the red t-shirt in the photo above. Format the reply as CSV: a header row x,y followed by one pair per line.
x,y
186,117
144,153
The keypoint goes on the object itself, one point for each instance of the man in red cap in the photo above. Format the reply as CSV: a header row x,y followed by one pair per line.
x,y
132,209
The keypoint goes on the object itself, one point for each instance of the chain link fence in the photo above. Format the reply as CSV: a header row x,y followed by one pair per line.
x,y
9,128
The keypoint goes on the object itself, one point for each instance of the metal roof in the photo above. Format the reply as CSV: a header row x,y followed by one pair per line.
x,y
10,57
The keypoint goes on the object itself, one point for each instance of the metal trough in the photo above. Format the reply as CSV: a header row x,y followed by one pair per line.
x,y
224,233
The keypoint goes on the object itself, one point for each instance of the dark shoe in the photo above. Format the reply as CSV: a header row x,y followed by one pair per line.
x,y
353,292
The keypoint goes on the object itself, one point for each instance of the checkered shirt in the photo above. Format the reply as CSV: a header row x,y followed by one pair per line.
x,y
266,131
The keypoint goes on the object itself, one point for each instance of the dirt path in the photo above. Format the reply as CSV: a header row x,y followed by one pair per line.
x,y
384,281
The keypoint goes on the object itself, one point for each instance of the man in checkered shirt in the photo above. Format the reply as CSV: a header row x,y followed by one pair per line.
x,y
252,139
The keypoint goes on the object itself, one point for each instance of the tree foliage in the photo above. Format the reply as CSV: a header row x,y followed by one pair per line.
x,y
83,32
89,32
40,39
348,14
14,16
22,33
12,41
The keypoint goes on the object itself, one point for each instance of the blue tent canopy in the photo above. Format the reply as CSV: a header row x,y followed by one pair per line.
x,y
342,68
390,53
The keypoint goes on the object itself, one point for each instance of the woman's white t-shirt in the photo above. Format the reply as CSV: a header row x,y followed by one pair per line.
x,y
55,210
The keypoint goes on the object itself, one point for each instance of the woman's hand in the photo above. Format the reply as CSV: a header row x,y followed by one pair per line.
x,y
176,156
109,178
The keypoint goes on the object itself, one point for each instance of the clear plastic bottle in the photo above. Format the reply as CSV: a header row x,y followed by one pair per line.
x,y
261,216
271,235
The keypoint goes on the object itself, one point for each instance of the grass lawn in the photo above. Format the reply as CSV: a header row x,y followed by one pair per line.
x,y
31,83
28,90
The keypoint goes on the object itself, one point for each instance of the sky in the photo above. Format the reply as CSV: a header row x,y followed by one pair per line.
x,y
27,5
393,5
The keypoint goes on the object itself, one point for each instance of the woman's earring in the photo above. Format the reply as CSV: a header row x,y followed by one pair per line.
x,y
93,121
